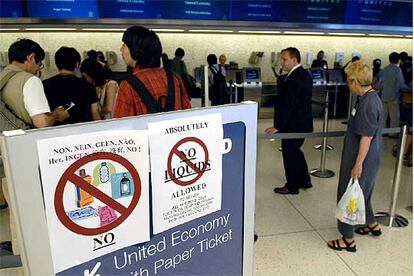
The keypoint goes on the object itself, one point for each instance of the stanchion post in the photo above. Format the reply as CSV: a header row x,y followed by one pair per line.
x,y
322,172
392,219
231,90
325,126
206,100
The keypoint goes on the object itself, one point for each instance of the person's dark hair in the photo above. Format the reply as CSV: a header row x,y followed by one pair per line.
x,y
211,59
100,57
92,54
94,70
66,58
376,66
144,46
410,58
20,49
293,53
403,56
179,53
320,52
166,63
355,58
394,57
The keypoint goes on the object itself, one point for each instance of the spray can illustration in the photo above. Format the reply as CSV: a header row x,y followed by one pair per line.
x,y
125,185
104,173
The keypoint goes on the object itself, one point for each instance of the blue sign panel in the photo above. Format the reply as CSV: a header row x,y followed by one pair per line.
x,y
255,10
130,9
200,10
379,12
11,8
210,245
312,11
62,8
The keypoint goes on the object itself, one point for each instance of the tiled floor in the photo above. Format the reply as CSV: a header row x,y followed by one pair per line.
x,y
293,229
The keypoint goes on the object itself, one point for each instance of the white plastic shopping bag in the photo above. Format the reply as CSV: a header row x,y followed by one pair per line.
x,y
351,207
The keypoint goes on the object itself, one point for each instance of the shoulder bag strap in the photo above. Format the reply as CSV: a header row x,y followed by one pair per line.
x,y
143,93
171,90
6,78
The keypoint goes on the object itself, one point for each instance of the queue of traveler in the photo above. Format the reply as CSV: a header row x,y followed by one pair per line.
x,y
68,98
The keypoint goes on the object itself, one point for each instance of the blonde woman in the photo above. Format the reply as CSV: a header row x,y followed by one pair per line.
x,y
106,89
361,152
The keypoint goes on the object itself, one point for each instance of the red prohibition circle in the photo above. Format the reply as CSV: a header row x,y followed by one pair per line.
x,y
175,151
70,175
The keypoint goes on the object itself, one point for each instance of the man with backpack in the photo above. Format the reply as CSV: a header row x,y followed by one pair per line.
x,y
149,89
218,94
23,103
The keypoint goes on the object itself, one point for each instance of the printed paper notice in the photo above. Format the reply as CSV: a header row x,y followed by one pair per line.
x,y
95,189
186,169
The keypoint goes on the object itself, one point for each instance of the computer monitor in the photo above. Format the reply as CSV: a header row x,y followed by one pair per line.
x,y
318,75
335,76
252,75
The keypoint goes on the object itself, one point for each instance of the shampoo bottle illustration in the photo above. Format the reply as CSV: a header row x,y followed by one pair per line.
x,y
125,185
83,198
104,173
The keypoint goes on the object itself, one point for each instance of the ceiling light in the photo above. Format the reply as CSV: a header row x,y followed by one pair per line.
x,y
9,29
50,29
385,35
347,34
103,30
304,33
211,31
168,30
259,32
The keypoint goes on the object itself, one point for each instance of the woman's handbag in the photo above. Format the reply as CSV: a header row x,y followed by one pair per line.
x,y
351,207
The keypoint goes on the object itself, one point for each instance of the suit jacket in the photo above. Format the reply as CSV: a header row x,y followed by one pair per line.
x,y
293,104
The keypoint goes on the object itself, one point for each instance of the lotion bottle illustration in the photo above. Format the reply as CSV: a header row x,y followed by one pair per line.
x,y
104,173
83,198
125,185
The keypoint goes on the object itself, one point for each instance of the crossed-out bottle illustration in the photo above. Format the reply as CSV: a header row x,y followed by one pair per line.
x,y
104,173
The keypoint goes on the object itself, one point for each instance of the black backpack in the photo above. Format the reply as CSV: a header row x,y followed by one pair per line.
x,y
164,104
218,90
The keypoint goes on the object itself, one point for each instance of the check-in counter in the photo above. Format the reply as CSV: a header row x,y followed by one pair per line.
x,y
252,84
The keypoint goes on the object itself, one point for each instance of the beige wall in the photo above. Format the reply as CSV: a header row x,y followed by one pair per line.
x,y
237,47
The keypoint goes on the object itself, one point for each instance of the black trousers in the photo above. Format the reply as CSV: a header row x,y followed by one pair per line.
x,y
296,168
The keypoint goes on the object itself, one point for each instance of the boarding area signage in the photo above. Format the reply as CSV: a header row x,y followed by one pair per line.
x,y
163,194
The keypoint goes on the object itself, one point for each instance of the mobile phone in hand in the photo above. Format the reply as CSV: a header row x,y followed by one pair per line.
x,y
68,106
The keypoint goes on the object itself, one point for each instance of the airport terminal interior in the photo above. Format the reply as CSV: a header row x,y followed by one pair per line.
x,y
292,230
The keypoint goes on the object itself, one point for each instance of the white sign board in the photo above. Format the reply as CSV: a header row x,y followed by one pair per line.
x,y
186,169
95,187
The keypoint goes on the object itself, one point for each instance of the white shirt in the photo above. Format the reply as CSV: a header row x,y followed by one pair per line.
x,y
293,69
34,97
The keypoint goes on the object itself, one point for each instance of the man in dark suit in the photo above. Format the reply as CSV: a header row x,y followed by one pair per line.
x,y
293,113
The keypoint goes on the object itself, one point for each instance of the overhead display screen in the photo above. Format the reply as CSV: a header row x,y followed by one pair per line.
x,y
242,10
348,12
196,9
130,9
62,8
379,12
11,9
312,11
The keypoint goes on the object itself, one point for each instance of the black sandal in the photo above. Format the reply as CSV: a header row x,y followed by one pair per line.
x,y
366,230
336,245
